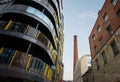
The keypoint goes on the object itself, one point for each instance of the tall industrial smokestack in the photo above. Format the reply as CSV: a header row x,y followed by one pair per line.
x,y
75,52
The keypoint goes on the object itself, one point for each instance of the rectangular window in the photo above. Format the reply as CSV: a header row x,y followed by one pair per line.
x,y
118,13
18,27
98,28
93,37
31,63
114,48
42,66
92,78
114,2
36,63
97,64
105,17
95,48
6,55
104,57
109,29
101,41
89,61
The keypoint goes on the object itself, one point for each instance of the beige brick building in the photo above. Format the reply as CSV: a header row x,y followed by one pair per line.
x,y
82,66
104,43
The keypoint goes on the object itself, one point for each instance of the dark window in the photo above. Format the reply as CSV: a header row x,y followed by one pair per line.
x,y
89,67
18,27
92,78
15,26
114,47
109,29
105,17
104,57
38,65
114,2
98,28
31,62
97,64
101,41
36,62
6,55
93,37
118,13
3,24
42,66
95,48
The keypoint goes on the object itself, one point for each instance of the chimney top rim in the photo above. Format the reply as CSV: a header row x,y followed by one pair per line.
x,y
75,35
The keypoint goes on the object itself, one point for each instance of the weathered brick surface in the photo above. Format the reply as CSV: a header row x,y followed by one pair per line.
x,y
109,72
113,20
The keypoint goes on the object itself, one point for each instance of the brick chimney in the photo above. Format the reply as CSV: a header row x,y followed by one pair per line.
x,y
75,52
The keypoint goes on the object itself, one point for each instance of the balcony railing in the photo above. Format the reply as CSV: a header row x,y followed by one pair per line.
x,y
41,5
26,30
18,64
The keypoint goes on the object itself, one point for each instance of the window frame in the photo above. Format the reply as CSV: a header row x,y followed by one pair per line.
x,y
93,38
114,2
97,64
102,41
104,57
105,17
95,49
114,47
109,29
99,29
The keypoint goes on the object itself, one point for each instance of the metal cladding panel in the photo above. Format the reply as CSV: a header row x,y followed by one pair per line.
x,y
32,20
21,42
19,73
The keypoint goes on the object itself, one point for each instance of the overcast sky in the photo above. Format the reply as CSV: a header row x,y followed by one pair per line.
x,y
79,19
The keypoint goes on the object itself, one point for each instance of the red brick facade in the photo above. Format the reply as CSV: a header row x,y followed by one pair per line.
x,y
104,43
113,20
75,52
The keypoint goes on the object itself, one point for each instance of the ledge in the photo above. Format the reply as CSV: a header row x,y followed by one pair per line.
x,y
19,41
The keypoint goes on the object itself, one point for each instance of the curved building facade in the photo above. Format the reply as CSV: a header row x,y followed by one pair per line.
x,y
31,40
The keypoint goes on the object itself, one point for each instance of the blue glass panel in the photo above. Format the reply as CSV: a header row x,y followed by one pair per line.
x,y
40,15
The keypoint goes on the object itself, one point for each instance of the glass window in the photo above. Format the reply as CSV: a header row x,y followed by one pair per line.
x,y
40,15
93,37
97,64
35,66
89,61
118,13
114,2
17,27
114,48
104,57
31,62
101,41
42,66
105,17
109,29
98,28
31,10
95,48
6,55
